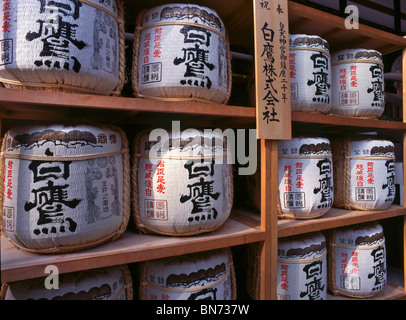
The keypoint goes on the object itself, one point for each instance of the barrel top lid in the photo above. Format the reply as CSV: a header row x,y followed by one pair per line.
x,y
302,247
183,14
307,41
61,140
356,55
304,146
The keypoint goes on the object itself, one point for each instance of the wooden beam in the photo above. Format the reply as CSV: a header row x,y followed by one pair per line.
x,y
269,218
404,167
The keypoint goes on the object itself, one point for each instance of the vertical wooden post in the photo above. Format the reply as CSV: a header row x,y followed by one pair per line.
x,y
269,218
404,158
273,119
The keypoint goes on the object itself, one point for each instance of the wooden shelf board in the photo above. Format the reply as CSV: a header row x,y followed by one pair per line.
x,y
335,218
23,104
335,120
18,264
390,292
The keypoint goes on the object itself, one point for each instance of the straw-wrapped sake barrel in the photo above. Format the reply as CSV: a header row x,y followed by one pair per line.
x,y
65,188
358,83
110,283
357,260
198,276
305,175
63,45
302,267
181,51
310,73
364,173
182,182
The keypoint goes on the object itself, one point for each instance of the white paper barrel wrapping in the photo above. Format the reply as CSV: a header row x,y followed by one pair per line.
x,y
182,183
63,45
310,73
302,268
110,283
357,261
305,175
181,51
199,276
364,173
65,187
358,83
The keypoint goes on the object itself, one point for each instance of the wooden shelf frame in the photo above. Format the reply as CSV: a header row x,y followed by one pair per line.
x,y
243,226
16,264
307,20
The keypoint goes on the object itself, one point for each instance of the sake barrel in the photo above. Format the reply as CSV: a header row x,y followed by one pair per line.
x,y
63,45
305,175
110,283
181,52
358,83
182,182
364,173
198,276
310,73
302,267
357,260
65,188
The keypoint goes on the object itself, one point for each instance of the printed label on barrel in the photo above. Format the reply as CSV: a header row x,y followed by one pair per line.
x,y
302,268
372,181
179,190
361,271
358,84
63,37
57,199
310,74
306,182
182,46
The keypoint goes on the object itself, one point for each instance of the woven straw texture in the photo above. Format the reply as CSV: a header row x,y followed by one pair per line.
x,y
98,238
333,261
177,227
68,71
110,283
198,265
164,89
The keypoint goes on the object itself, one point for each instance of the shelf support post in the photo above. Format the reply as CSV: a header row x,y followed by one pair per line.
x,y
404,158
269,218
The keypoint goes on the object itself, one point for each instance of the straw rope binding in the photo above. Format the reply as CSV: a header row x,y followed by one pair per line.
x,y
190,257
83,244
135,66
135,205
62,87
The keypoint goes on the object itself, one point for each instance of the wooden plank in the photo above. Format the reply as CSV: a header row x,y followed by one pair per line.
x,y
335,218
314,117
404,159
36,99
18,264
390,292
269,217
272,80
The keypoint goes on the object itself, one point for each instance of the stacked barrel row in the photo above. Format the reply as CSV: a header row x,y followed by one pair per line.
x,y
347,261
348,83
67,188
181,53
316,174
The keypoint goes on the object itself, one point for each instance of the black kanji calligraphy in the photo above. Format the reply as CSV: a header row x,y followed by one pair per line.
x,y
58,35
196,57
